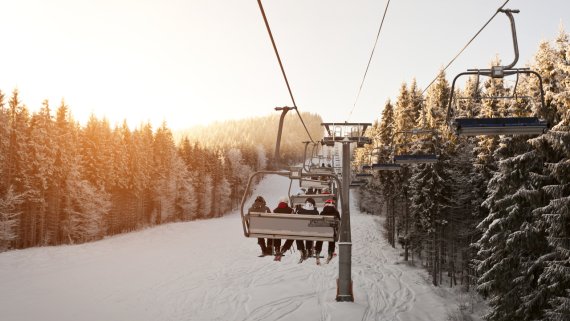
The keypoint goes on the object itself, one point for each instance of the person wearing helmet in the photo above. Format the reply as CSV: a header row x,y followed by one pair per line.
x,y
258,206
330,210
310,209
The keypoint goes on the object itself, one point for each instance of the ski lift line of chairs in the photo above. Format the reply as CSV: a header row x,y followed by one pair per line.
x,y
355,133
386,167
381,166
288,226
470,126
357,183
419,158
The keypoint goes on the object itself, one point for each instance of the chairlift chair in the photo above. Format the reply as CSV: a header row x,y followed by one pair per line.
x,y
357,183
386,167
416,158
353,132
470,126
287,226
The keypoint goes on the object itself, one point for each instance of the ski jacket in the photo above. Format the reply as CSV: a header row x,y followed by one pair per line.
x,y
330,211
259,207
283,208
305,211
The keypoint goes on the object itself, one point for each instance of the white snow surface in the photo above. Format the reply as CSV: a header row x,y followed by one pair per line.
x,y
208,270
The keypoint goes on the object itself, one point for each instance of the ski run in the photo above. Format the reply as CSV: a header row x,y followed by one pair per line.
x,y
207,270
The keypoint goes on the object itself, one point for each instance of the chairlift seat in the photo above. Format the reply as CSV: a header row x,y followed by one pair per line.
x,y
316,171
499,126
364,175
292,226
307,183
320,199
415,159
387,167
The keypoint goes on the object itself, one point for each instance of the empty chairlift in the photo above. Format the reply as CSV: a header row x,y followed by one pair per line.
x,y
426,137
510,125
382,166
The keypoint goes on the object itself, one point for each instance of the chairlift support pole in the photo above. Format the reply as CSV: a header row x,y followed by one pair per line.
x,y
284,111
305,156
354,135
345,242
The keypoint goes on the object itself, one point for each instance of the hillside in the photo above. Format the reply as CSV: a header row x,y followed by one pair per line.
x,y
258,131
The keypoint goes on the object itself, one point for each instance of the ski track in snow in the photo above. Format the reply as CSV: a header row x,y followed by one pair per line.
x,y
207,270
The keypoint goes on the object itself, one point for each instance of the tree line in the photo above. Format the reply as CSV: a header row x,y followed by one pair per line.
x,y
63,183
493,213
261,131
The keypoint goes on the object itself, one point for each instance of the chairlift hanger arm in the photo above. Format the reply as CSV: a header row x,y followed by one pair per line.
x,y
509,13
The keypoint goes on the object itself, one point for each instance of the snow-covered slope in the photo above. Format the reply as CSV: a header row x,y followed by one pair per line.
x,y
207,270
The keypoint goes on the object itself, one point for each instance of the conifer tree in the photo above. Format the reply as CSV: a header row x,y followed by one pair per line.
x,y
9,215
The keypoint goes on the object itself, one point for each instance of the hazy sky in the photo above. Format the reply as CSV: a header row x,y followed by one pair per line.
x,y
192,62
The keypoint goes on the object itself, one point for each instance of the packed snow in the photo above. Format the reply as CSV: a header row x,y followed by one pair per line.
x,y
207,270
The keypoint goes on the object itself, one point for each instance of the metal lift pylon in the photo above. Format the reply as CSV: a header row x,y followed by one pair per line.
x,y
346,134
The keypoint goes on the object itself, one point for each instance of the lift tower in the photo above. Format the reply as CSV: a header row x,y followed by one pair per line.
x,y
346,134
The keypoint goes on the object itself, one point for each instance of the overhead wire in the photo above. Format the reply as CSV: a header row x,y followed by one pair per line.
x,y
283,69
370,59
466,45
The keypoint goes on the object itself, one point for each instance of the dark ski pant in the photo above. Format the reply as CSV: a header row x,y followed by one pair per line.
x,y
274,244
319,247
289,243
261,242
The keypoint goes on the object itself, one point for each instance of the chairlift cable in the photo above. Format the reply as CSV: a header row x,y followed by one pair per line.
x,y
465,47
369,60
282,68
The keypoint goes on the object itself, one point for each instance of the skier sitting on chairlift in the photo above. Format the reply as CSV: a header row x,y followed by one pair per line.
x,y
260,206
329,210
308,208
284,208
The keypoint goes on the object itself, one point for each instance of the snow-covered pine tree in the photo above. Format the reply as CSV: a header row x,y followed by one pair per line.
x,y
9,214
552,293
142,169
39,169
17,158
511,244
4,143
164,185
429,190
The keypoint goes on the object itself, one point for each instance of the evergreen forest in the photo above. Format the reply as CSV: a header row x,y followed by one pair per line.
x,y
493,213
63,183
